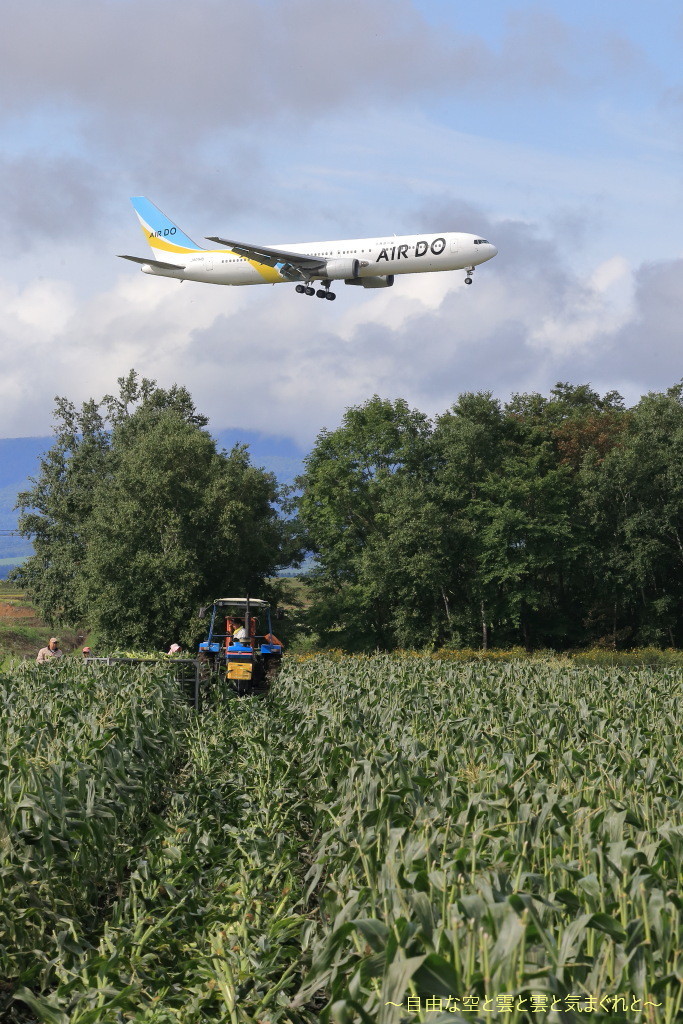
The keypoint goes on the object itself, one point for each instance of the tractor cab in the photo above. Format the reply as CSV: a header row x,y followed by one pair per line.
x,y
241,641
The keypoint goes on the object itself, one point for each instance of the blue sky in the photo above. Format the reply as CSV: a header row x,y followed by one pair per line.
x,y
554,129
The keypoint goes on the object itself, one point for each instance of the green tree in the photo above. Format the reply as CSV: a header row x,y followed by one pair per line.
x,y
529,546
469,440
539,567
55,510
476,529
159,524
635,499
359,519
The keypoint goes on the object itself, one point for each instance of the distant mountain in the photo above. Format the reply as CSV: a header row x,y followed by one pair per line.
x,y
278,455
19,460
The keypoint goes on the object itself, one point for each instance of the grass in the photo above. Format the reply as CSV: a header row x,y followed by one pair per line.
x,y
23,631
295,593
645,657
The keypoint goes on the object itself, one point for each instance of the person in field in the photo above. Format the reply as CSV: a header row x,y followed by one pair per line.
x,y
239,633
51,651
175,649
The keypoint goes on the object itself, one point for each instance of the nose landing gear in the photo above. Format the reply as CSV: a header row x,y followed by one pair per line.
x,y
470,271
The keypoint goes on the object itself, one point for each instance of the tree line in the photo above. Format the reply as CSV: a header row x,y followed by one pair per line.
x,y
137,518
546,521
553,522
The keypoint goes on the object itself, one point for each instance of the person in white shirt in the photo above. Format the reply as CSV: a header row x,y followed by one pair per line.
x,y
51,651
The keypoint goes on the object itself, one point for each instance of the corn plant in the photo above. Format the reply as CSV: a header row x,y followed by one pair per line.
x,y
395,839
490,830
84,758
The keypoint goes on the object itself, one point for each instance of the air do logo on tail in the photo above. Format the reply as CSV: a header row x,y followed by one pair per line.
x,y
161,233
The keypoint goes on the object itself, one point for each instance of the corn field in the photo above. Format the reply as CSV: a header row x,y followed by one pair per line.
x,y
379,839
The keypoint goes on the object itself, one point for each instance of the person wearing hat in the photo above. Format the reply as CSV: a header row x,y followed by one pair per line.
x,y
51,651
87,653
175,649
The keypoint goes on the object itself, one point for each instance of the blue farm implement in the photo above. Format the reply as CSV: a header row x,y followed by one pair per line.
x,y
241,642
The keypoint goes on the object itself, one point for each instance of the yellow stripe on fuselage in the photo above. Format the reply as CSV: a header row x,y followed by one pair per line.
x,y
270,274
163,245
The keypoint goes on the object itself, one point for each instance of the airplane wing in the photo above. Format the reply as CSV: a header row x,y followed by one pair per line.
x,y
272,257
153,263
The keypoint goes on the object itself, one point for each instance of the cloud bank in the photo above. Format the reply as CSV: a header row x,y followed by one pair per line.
x,y
277,362
293,120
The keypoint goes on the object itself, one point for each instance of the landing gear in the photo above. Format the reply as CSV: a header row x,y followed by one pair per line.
x,y
322,293
468,279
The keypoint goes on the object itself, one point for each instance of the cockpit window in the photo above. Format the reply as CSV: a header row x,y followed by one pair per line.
x,y
481,241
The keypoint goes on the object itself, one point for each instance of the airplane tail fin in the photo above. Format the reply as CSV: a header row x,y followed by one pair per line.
x,y
168,243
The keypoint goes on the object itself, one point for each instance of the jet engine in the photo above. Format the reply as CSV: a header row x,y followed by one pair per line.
x,y
337,270
373,282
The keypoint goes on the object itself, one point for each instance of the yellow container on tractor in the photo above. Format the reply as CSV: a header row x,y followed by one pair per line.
x,y
237,670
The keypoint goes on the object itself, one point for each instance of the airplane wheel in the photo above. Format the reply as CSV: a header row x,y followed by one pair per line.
x,y
309,291
331,296
468,280
321,293
300,289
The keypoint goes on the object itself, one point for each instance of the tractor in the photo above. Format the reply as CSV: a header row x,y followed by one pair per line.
x,y
241,643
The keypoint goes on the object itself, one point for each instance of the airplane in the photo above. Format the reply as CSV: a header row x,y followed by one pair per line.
x,y
365,262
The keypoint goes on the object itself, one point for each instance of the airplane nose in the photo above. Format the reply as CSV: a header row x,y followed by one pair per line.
x,y
494,251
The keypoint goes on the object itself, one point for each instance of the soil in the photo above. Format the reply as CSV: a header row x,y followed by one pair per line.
x,y
23,632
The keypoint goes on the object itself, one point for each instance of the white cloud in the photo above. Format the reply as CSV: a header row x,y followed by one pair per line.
x,y
40,310
206,98
600,308
284,117
266,359
216,63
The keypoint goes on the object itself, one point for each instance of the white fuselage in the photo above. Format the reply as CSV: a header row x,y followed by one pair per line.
x,y
378,257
